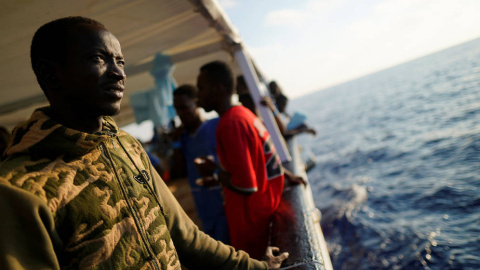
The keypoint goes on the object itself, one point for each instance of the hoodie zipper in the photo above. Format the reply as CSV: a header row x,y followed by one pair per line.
x,y
113,143
145,183
138,224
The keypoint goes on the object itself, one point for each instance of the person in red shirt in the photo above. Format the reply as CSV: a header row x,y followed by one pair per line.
x,y
251,169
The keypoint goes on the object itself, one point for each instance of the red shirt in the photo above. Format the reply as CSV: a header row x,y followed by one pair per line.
x,y
246,151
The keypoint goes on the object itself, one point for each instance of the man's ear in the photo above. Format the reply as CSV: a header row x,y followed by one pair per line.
x,y
47,73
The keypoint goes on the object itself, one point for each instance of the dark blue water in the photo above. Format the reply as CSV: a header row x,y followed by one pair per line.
x,y
398,172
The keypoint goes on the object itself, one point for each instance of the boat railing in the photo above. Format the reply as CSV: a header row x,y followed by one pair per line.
x,y
296,225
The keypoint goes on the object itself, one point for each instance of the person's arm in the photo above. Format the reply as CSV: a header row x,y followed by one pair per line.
x,y
274,262
300,129
226,179
211,174
293,179
267,101
197,250
27,233
310,130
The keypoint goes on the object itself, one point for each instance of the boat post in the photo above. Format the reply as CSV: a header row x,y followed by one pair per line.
x,y
257,91
296,224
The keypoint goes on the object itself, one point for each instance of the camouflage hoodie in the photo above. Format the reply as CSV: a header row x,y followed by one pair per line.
x,y
75,200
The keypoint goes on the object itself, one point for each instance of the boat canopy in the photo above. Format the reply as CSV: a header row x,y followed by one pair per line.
x,y
191,33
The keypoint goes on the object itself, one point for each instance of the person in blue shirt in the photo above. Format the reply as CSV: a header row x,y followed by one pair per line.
x,y
196,138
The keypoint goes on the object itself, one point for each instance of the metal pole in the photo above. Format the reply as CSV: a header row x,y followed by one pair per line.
x,y
256,90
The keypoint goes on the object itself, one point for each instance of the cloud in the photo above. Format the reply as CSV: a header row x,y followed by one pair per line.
x,y
226,4
400,30
339,41
310,12
324,7
274,49
286,17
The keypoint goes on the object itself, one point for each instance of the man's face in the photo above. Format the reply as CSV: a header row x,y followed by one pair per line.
x,y
206,99
93,78
186,109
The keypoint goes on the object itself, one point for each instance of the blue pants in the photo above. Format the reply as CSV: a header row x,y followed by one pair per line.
x,y
217,228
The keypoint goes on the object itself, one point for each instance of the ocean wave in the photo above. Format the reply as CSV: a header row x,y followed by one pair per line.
x,y
447,198
397,164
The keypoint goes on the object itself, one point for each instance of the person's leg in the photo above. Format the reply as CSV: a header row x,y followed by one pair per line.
x,y
221,230
208,227
257,239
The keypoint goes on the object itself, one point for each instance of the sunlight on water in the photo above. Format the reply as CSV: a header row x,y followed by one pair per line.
x,y
397,174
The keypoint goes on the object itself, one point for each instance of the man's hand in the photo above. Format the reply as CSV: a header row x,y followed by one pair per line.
x,y
207,182
311,131
205,165
267,101
294,179
224,178
274,262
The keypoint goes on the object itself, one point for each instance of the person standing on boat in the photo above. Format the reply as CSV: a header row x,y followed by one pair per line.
x,y
274,89
196,138
78,193
293,125
254,175
247,101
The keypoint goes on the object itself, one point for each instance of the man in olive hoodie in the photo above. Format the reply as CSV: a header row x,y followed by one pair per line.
x,y
78,193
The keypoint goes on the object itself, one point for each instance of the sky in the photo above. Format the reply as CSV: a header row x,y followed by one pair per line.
x,y
309,45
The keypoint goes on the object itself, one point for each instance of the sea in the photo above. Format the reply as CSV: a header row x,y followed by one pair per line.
x,y
397,177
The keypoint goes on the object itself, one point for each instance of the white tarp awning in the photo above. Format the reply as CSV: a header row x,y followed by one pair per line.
x,y
192,33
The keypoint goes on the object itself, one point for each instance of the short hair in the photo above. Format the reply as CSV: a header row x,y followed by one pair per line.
x,y
220,72
274,88
281,97
51,40
241,85
188,90
241,81
272,84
